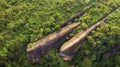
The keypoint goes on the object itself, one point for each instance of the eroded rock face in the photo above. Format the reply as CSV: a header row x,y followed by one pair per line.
x,y
68,49
71,19
52,41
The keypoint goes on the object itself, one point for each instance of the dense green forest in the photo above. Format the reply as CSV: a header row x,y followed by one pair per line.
x,y
23,22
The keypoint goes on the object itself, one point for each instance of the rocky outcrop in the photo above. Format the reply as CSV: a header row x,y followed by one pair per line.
x,y
69,48
52,41
71,19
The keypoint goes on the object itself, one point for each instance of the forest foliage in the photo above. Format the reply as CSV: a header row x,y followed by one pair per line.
x,y
23,22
